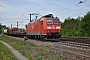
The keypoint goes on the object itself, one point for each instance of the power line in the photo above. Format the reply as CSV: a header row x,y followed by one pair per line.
x,y
43,8
80,2
25,17
72,10
79,13
37,5
65,8
48,5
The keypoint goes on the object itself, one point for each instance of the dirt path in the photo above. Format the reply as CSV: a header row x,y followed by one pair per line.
x,y
15,52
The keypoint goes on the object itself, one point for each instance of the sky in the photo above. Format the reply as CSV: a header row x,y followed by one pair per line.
x,y
12,11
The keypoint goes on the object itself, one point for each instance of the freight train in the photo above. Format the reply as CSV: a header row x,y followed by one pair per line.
x,y
44,28
15,31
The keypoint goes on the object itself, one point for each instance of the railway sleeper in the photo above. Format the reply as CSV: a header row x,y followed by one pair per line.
x,y
79,51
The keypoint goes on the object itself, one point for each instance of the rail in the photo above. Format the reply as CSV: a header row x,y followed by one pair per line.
x,y
74,47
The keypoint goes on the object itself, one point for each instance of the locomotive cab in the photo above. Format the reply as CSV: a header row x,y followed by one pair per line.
x,y
53,28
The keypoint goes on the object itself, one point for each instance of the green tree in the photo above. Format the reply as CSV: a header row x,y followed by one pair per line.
x,y
70,27
77,27
0,28
4,26
85,25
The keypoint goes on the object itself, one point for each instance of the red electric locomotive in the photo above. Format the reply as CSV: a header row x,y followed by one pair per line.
x,y
45,27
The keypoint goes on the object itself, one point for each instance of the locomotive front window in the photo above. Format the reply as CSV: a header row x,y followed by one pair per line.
x,y
52,21
55,21
49,21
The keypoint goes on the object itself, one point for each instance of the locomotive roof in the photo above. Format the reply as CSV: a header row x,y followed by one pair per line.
x,y
46,16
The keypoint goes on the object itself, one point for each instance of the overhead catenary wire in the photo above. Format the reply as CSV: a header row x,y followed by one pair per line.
x,y
37,5
29,10
79,13
73,10
48,5
25,17
80,2
65,8
75,13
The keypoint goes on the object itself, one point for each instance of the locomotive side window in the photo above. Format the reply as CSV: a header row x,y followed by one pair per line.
x,y
52,21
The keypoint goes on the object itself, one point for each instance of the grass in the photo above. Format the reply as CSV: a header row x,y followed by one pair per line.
x,y
30,50
5,53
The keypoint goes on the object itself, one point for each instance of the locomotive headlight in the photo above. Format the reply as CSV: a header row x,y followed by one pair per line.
x,y
58,27
48,27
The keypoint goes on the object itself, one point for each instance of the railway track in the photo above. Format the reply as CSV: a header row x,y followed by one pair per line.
x,y
76,45
68,49
85,40
75,48
80,50
67,45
